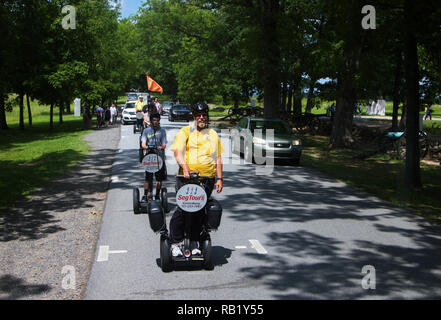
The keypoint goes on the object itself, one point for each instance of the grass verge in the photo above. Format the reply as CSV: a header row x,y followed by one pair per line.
x,y
379,176
30,158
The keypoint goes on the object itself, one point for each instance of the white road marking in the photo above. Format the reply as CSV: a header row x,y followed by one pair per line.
x,y
103,253
241,247
255,244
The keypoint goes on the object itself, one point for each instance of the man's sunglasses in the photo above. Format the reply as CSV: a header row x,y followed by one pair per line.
x,y
197,115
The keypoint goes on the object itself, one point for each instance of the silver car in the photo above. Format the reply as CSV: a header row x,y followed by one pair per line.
x,y
253,141
166,106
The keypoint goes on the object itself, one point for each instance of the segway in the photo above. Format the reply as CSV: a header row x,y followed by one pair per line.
x,y
138,126
152,163
192,199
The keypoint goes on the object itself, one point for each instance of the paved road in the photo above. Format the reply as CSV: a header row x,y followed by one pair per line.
x,y
294,234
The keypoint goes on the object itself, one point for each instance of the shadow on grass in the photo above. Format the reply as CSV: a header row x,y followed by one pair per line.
x,y
40,131
33,218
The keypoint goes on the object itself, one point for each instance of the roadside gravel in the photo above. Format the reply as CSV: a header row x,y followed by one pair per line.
x,y
47,241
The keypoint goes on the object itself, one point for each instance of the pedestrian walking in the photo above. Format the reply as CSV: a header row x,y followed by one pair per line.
x,y
427,113
113,114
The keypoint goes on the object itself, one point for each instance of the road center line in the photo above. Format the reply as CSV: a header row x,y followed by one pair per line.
x,y
259,248
103,253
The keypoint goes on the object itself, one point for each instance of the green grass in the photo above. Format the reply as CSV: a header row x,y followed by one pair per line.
x,y
379,176
32,157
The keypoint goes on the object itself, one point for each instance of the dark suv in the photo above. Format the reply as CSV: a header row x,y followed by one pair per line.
x,y
180,112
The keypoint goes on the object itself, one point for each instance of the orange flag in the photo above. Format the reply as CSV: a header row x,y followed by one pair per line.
x,y
152,85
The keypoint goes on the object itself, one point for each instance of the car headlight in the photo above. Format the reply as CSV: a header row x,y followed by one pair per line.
x,y
258,141
297,143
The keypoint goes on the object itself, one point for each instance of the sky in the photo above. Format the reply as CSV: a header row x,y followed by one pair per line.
x,y
130,7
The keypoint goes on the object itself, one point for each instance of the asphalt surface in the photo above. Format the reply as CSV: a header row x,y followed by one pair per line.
x,y
291,234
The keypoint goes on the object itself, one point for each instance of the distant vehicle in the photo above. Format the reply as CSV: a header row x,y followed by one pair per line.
x,y
180,112
129,113
284,144
132,97
166,106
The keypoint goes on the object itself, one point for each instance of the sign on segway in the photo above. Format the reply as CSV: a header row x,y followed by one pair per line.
x,y
152,163
191,198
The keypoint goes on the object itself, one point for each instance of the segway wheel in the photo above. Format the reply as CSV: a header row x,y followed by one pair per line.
x,y
207,253
164,200
165,251
136,201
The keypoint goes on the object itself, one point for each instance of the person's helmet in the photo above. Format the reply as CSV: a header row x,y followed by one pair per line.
x,y
155,115
200,107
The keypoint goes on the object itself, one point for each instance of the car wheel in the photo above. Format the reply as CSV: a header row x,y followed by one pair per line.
x,y
296,162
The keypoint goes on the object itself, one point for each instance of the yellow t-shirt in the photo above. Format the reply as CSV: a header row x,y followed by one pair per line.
x,y
201,151
139,105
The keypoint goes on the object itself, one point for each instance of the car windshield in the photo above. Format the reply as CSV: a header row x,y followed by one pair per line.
x,y
132,96
279,127
181,108
130,105
167,104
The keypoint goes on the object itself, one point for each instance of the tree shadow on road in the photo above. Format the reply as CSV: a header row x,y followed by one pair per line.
x,y
334,235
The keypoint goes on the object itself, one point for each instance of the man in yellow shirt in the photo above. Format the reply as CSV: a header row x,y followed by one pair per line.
x,y
139,105
196,148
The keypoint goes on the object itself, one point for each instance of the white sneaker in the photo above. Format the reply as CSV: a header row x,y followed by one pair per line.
x,y
176,251
195,249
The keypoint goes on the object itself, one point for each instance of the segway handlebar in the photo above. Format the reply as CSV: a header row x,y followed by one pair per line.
x,y
194,176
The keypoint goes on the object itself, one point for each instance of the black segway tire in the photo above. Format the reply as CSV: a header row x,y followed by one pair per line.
x,y
136,208
207,254
164,200
165,252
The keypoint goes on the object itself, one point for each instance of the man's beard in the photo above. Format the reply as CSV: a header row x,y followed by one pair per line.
x,y
202,125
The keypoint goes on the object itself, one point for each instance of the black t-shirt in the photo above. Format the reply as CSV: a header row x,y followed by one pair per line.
x,y
152,108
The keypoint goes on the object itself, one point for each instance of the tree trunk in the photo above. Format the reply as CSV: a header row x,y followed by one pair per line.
x,y
310,103
3,123
297,96
29,110
284,94
271,70
412,175
341,136
51,121
61,112
68,107
290,96
402,125
396,103
21,106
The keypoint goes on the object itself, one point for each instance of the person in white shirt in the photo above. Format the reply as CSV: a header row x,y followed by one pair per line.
x,y
113,114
